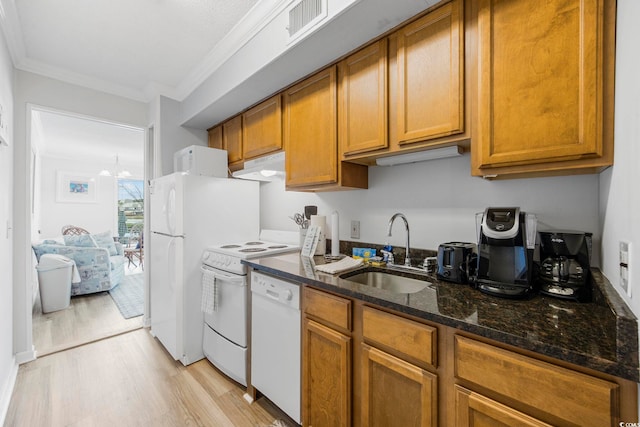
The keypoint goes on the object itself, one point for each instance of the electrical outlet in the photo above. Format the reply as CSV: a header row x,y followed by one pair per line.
x,y
625,250
355,229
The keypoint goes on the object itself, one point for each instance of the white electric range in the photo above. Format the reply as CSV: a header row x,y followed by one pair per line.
x,y
225,287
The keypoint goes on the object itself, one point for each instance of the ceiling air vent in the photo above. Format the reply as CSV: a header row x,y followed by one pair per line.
x,y
304,15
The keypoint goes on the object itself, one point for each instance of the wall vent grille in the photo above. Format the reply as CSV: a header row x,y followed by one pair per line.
x,y
304,14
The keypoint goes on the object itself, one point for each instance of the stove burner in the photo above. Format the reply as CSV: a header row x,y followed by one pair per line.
x,y
229,246
254,243
252,250
277,246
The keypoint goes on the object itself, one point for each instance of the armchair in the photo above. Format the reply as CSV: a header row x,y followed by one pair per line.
x,y
100,268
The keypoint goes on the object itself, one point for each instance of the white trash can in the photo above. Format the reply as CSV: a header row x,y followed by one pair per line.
x,y
54,278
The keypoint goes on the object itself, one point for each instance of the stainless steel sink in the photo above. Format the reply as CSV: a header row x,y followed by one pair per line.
x,y
387,280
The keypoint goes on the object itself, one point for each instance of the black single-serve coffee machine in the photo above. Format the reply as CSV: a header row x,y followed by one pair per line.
x,y
506,243
565,262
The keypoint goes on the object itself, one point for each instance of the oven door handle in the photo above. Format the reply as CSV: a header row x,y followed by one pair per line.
x,y
240,280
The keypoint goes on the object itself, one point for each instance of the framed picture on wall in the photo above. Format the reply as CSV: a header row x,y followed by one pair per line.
x,y
72,187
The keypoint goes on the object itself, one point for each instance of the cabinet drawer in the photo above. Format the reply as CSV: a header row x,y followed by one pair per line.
x,y
402,335
333,310
568,395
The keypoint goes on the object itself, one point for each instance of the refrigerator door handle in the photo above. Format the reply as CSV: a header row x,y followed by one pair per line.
x,y
170,211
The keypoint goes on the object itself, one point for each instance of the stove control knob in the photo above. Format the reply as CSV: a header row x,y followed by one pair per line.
x,y
227,261
206,255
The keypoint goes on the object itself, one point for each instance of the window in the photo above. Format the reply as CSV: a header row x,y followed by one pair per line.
x,y
130,206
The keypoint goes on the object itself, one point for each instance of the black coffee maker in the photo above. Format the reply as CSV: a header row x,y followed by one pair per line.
x,y
565,262
506,243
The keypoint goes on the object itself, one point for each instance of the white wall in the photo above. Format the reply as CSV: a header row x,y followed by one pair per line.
x,y
8,367
170,136
439,199
619,195
95,217
35,90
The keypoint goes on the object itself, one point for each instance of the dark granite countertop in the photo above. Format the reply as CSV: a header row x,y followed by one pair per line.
x,y
600,335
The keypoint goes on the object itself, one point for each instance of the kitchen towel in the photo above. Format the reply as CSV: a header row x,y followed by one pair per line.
x,y
346,263
209,293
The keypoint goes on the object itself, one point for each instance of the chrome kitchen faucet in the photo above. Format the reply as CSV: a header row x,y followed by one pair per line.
x,y
407,259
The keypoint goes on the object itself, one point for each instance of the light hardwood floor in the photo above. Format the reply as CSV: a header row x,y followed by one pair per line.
x,y
88,318
129,380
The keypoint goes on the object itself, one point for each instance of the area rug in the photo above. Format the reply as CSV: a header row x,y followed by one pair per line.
x,y
129,296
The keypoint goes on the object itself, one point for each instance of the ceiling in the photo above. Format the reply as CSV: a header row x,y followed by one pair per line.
x,y
132,48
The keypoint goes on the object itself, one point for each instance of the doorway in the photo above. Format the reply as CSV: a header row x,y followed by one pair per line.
x,y
71,144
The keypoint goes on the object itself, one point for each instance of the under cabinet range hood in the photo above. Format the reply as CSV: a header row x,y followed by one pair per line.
x,y
265,168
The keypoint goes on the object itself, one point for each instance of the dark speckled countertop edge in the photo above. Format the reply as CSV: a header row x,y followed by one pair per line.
x,y
624,364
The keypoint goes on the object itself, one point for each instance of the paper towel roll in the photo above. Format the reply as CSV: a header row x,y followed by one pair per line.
x,y
321,222
335,234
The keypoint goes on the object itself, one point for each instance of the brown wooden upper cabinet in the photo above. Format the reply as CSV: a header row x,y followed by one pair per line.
x,y
430,80
215,137
362,100
232,142
262,128
311,137
545,86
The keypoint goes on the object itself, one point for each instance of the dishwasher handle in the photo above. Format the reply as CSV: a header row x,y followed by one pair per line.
x,y
276,290
284,294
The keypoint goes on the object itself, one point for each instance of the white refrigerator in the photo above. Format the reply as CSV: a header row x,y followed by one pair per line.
x,y
187,214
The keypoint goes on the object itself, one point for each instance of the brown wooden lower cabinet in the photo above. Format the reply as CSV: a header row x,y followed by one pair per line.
x,y
365,365
326,376
561,394
395,392
473,409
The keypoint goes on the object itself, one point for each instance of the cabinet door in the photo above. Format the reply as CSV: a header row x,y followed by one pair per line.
x,y
475,410
362,99
550,390
326,377
262,128
215,137
232,141
310,131
540,89
395,392
430,61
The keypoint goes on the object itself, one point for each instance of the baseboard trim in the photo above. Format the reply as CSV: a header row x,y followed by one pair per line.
x,y
26,356
7,391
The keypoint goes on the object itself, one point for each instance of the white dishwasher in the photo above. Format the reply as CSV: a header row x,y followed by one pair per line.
x,y
275,341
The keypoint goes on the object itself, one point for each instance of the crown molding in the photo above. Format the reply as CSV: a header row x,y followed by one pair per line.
x,y
79,79
12,31
258,17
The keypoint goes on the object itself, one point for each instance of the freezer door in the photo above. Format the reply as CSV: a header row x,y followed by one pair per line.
x,y
166,205
166,292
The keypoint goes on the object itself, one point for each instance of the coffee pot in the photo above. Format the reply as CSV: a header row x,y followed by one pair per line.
x,y
565,262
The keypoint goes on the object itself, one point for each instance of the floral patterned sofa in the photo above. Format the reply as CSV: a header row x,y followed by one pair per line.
x,y
100,260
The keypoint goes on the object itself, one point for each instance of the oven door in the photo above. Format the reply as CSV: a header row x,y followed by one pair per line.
x,y
229,318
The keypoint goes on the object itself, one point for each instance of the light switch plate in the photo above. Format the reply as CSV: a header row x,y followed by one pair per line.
x,y
355,229
625,250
